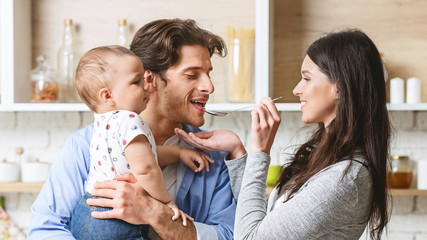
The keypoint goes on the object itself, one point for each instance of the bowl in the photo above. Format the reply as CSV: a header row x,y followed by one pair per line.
x,y
34,171
9,172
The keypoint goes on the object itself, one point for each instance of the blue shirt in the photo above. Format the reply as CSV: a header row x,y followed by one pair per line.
x,y
205,196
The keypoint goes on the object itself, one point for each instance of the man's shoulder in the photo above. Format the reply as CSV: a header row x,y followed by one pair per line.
x,y
83,134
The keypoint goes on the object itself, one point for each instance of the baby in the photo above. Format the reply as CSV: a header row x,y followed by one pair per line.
x,y
110,80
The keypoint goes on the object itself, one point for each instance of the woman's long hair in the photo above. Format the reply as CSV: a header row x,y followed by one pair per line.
x,y
361,127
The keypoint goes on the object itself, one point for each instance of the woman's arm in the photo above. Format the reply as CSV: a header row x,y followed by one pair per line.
x,y
327,207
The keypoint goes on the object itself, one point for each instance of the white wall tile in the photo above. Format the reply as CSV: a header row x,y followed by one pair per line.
x,y
403,204
408,223
7,120
422,236
402,120
399,236
421,205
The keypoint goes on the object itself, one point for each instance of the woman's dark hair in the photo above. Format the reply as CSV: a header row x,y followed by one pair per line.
x,y
361,126
157,43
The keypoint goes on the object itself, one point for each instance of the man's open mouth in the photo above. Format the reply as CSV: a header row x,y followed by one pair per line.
x,y
202,104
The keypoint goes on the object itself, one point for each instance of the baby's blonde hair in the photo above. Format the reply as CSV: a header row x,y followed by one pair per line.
x,y
94,71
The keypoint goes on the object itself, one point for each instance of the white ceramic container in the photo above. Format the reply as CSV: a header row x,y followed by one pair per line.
x,y
9,172
34,171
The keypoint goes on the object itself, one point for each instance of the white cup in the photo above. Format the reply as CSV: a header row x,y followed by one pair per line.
x,y
413,90
422,174
396,90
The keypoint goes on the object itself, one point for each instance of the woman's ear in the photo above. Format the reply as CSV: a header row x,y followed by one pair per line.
x,y
336,91
150,84
105,96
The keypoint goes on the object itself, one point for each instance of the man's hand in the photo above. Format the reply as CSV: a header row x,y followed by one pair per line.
x,y
132,204
128,199
217,140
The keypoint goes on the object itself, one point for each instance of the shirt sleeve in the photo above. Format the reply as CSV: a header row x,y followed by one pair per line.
x,y
222,209
63,189
329,203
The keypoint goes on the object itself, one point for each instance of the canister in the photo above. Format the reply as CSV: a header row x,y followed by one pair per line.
x,y
401,172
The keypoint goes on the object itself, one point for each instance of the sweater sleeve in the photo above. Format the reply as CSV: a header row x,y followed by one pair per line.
x,y
236,168
327,205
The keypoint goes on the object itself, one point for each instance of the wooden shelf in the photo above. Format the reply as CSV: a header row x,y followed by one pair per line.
x,y
408,192
394,192
20,187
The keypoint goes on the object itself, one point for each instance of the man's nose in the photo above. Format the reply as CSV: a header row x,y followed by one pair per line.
x,y
205,85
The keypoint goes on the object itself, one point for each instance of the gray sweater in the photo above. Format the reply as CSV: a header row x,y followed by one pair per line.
x,y
326,207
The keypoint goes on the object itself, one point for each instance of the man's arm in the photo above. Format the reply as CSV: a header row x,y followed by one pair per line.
x,y
144,210
63,189
221,140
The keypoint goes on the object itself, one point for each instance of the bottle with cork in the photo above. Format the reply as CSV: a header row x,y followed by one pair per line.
x,y
122,33
67,64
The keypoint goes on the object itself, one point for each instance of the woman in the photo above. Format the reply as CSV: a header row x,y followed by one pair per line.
x,y
335,184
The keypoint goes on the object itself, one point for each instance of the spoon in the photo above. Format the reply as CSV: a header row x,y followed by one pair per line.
x,y
223,114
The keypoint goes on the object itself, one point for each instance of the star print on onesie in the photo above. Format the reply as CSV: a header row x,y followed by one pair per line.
x,y
112,132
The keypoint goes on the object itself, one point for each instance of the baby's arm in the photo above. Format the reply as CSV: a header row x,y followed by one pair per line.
x,y
148,173
171,154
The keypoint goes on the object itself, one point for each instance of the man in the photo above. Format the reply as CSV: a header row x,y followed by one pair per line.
x,y
176,55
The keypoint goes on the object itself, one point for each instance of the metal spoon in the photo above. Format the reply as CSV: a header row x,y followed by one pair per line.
x,y
223,114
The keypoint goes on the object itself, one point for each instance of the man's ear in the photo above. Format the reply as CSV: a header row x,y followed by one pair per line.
x,y
105,96
150,84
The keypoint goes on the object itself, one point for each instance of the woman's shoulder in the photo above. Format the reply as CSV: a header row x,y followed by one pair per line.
x,y
351,169
350,175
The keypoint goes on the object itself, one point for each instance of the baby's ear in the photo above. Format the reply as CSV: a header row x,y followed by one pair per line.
x,y
105,95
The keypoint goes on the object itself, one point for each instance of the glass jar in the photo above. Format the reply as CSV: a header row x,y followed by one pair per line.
x,y
44,87
401,172
241,60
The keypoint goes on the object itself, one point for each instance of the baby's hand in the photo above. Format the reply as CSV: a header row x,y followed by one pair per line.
x,y
178,213
189,156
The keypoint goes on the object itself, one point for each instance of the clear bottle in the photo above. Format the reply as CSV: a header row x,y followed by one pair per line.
x,y
122,34
67,65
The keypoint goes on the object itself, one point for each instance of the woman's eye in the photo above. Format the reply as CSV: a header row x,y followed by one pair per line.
x,y
137,82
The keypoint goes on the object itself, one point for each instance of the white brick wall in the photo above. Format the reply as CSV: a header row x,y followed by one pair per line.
x,y
42,135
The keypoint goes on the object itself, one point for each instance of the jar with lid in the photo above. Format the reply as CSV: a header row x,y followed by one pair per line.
x,y
44,87
401,172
